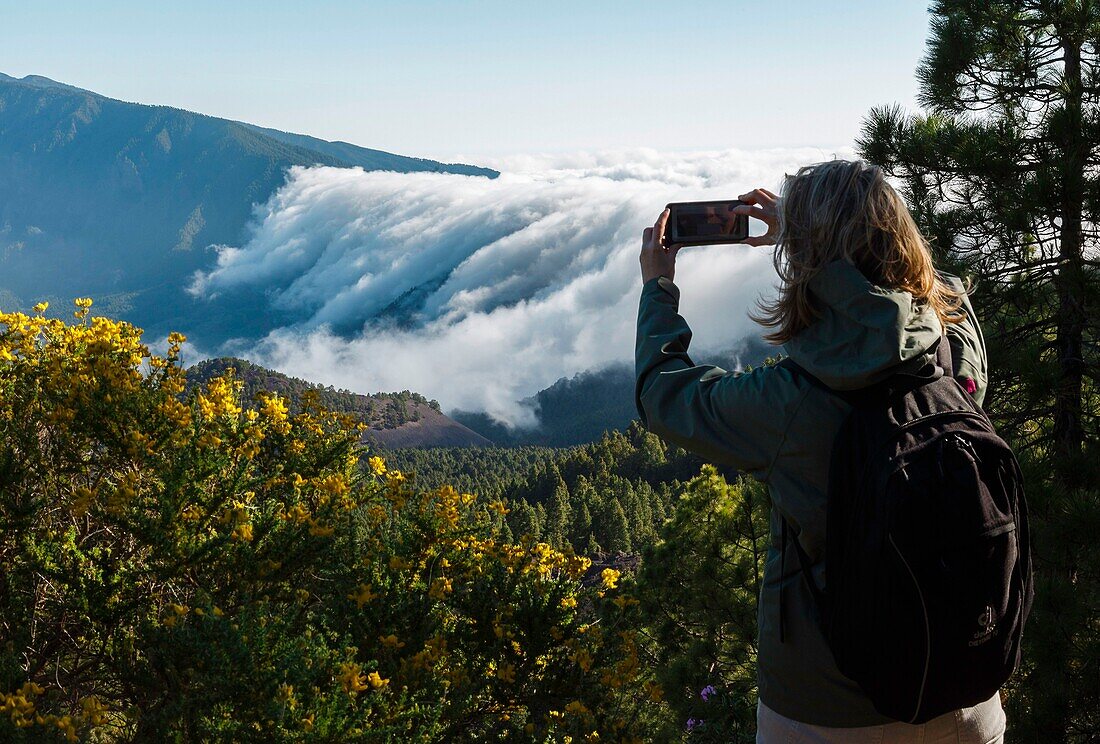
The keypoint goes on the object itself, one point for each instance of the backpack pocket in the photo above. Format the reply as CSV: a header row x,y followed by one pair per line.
x,y
967,566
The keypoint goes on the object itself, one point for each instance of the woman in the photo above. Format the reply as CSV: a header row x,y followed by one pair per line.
x,y
859,300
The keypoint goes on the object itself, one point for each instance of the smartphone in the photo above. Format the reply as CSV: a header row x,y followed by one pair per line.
x,y
705,223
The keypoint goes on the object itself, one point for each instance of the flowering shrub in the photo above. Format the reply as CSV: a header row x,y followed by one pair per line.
x,y
185,567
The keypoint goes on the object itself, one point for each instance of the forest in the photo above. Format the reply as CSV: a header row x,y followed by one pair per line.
x,y
610,496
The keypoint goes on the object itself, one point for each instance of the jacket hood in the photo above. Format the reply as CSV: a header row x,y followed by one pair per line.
x,y
864,331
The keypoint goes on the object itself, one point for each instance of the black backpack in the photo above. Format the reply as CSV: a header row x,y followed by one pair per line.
x,y
927,562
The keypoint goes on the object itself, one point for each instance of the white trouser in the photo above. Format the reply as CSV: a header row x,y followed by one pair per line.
x,y
982,724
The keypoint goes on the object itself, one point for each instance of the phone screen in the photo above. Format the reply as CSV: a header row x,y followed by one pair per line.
x,y
708,222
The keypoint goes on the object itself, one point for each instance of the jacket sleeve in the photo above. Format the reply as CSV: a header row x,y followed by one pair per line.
x,y
731,418
967,344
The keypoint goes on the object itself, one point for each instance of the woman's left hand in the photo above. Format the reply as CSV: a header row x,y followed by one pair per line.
x,y
657,259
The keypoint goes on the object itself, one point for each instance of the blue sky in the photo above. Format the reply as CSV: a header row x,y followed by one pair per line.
x,y
492,78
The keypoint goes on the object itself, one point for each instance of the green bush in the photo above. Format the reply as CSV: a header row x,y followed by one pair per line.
x,y
190,566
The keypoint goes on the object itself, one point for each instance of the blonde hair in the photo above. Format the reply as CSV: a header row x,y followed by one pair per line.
x,y
845,210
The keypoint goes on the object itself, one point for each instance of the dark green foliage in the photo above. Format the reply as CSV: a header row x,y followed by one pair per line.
x,y
698,587
612,523
1001,171
558,516
617,491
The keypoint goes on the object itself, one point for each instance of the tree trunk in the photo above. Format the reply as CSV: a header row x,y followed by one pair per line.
x,y
1071,313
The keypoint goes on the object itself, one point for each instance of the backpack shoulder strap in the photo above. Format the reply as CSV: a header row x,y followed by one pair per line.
x,y
805,563
905,378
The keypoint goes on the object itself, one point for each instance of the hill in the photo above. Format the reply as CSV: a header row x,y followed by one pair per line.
x,y
403,419
117,201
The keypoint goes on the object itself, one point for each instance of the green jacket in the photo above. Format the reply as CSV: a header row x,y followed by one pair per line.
x,y
780,429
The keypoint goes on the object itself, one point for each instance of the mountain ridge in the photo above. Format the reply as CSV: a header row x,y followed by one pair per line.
x,y
337,149
118,201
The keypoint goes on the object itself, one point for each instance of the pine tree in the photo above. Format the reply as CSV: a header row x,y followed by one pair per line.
x,y
580,526
557,516
524,520
618,530
699,587
506,532
1002,172
592,547
540,522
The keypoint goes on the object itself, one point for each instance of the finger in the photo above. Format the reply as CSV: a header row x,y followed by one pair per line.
x,y
758,196
659,228
647,235
755,212
763,196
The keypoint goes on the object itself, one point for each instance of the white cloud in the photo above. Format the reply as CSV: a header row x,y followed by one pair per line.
x,y
480,292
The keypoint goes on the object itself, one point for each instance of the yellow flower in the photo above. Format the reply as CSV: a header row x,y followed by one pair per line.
x,y
285,695
582,658
440,588
351,678
610,577
319,530
41,307
363,595
391,641
397,563
507,673
275,408
577,708
192,513
83,305
377,465
337,485
377,681
568,603
242,532
94,710
307,722
296,514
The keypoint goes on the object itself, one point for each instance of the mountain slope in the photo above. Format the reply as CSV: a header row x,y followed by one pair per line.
x,y
402,419
117,200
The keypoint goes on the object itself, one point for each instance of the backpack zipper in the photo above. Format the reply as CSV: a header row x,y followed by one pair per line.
x,y
927,629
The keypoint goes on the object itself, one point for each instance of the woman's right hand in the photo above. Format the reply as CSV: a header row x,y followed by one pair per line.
x,y
760,204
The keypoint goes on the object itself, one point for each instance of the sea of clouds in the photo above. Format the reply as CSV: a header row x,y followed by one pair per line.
x,y
480,292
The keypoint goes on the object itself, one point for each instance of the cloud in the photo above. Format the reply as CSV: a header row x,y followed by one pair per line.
x,y
481,292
